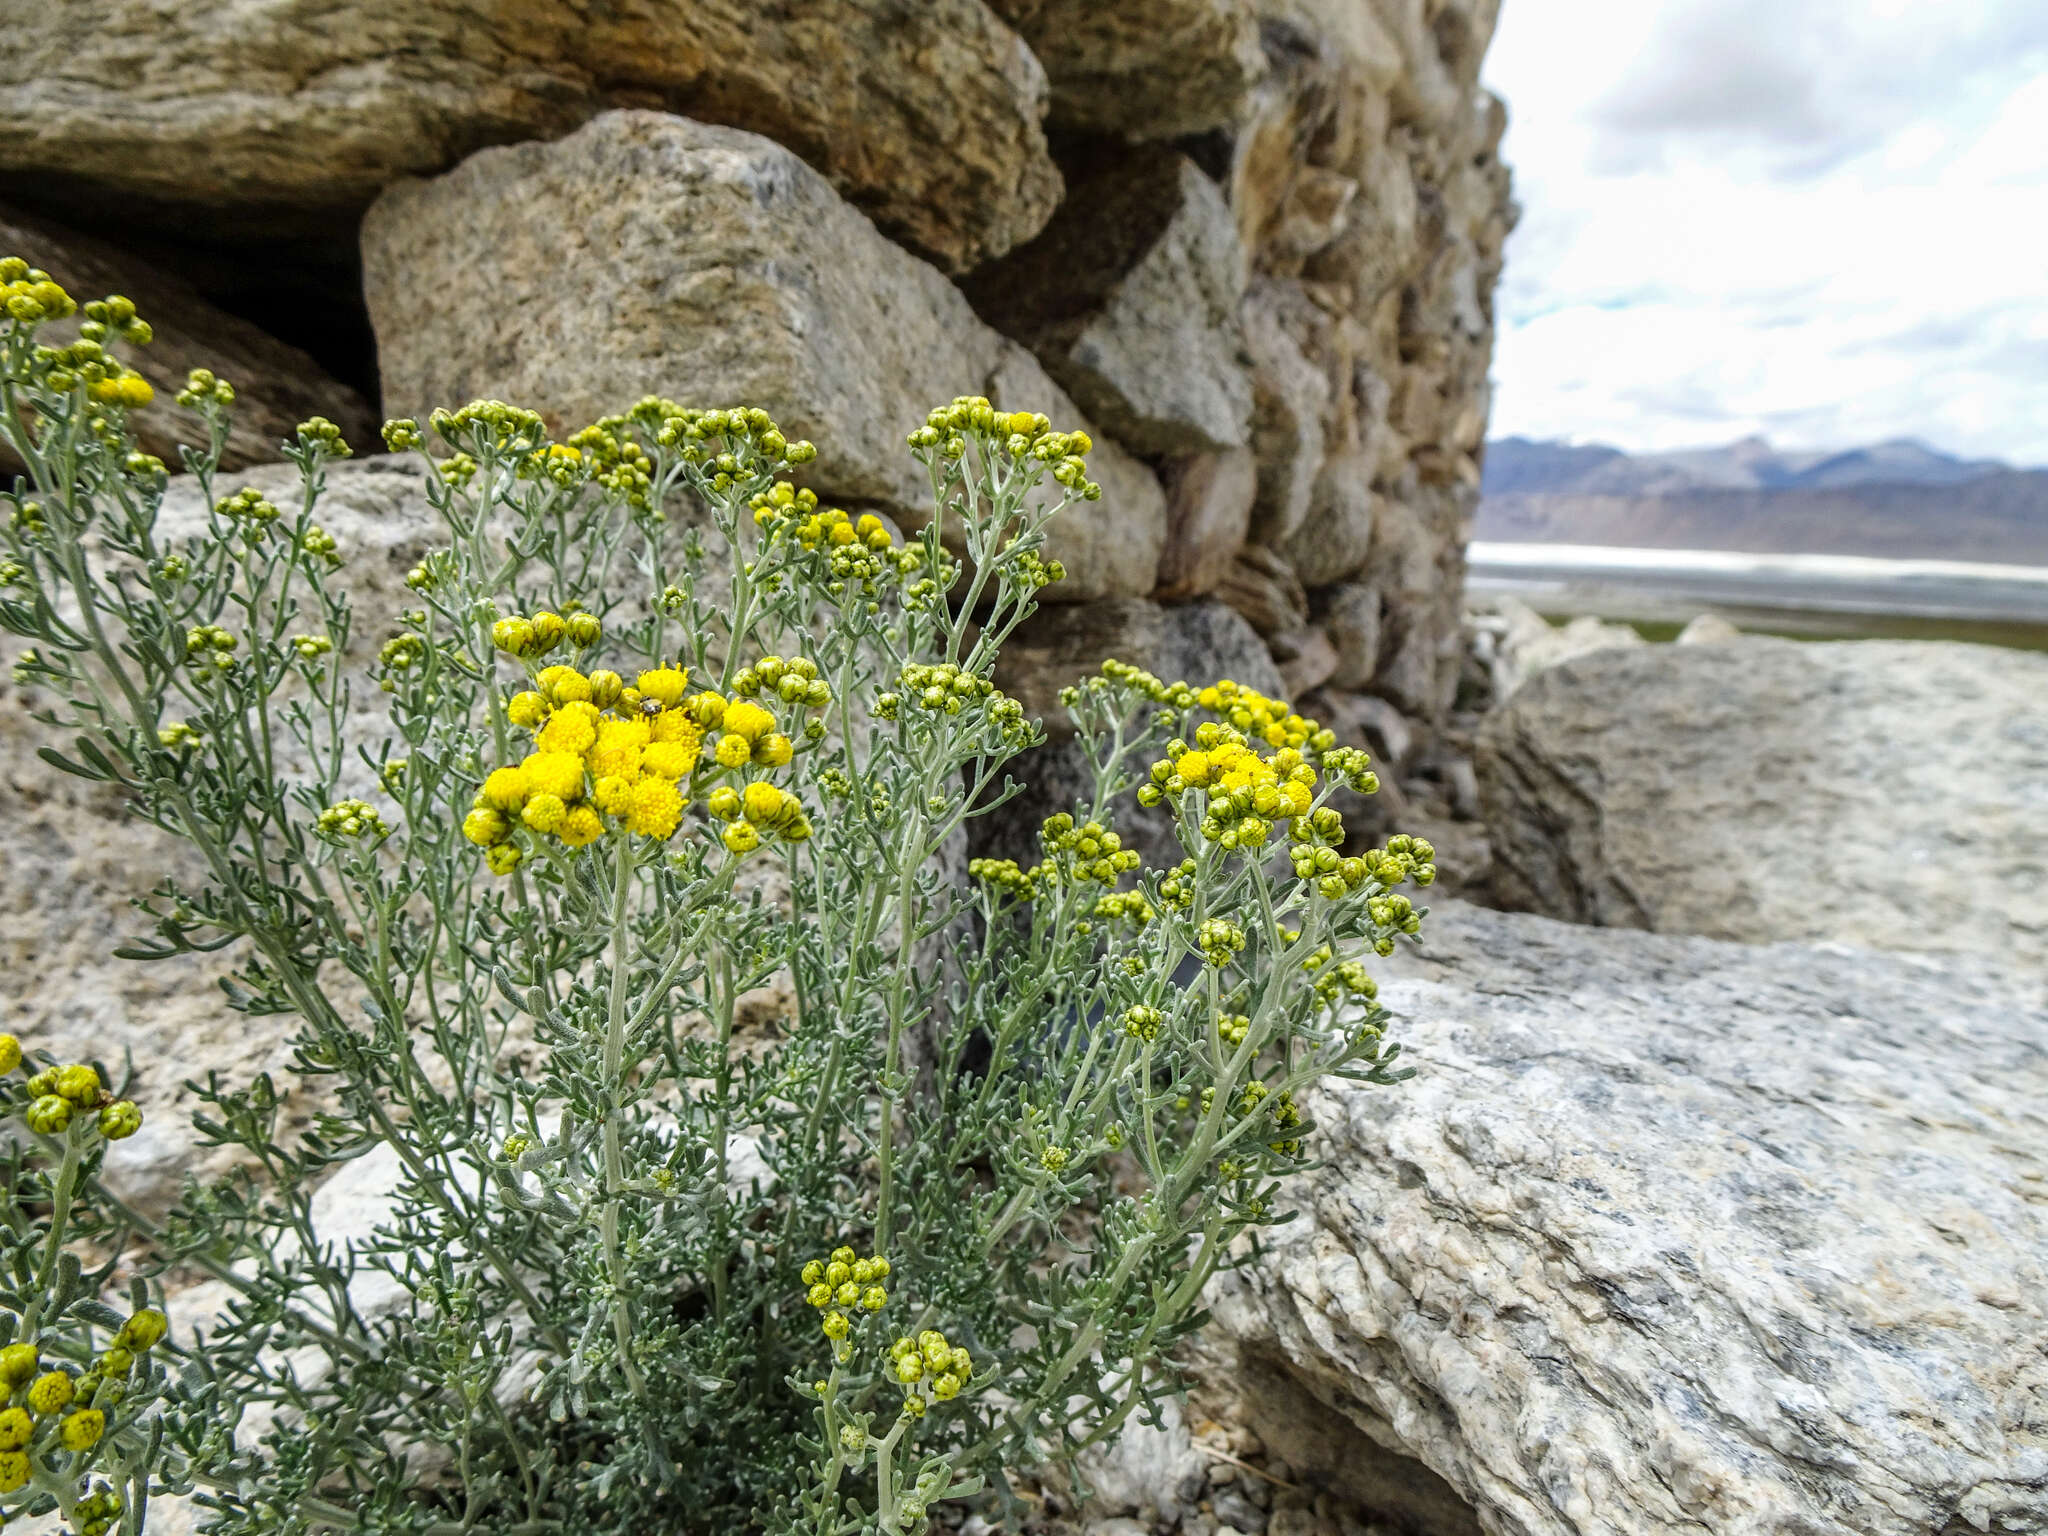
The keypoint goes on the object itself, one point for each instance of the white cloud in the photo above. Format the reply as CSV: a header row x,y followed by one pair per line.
x,y
1822,220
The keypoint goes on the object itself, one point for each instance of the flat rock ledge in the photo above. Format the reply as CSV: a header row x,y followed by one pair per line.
x,y
1671,1235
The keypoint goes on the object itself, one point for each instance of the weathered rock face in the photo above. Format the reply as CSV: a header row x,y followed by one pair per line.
x,y
277,386
1130,300
1669,1236
76,862
1208,507
1891,794
927,116
1520,642
713,266
1149,69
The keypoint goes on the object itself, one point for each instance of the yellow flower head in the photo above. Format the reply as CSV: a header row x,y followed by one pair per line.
x,y
675,725
605,688
572,729
734,751
544,813
742,837
504,858
526,709
763,803
580,827
774,750
554,773
505,789
81,1431
707,709
613,794
669,759
486,827
664,685
655,810
1193,767
748,720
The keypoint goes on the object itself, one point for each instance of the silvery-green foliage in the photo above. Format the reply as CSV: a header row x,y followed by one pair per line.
x,y
641,1266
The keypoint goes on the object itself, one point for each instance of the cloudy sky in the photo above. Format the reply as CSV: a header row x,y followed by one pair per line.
x,y
1822,220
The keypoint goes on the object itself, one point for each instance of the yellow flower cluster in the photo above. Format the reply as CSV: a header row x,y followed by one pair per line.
x,y
1246,793
348,820
783,505
600,749
58,1095
28,294
603,749
30,298
1264,719
1021,434
1346,979
51,1410
203,387
844,1285
930,1356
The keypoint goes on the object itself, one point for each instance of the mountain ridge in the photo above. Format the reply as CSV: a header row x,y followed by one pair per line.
x,y
1899,499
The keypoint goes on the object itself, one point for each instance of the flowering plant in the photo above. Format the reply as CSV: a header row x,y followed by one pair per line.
x,y
663,737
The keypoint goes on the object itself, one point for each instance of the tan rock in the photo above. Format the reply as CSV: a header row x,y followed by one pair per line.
x,y
1350,615
1130,299
1208,508
928,116
276,386
1335,539
1307,660
1263,587
713,266
1291,397
1143,69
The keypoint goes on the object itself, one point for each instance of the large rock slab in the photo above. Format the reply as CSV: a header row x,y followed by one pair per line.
x,y
928,115
276,386
1886,793
1130,298
648,254
1670,1236
1143,69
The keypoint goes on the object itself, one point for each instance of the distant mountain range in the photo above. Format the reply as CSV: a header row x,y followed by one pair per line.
x,y
1900,499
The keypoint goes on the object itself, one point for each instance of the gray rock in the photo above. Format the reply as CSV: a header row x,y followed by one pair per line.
x,y
1351,616
1525,643
276,386
927,116
1208,508
1143,69
1671,1236
1307,659
1708,629
1130,298
716,267
1290,397
1886,793
1335,539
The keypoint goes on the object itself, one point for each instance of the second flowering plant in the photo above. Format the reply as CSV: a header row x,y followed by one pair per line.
x,y
753,1159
